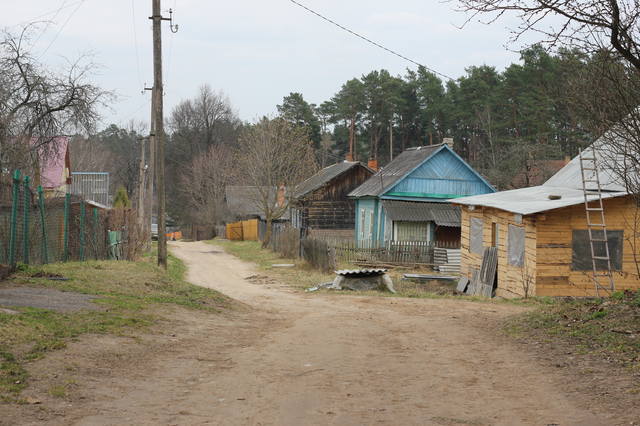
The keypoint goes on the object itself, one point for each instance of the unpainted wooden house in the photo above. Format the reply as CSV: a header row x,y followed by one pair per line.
x,y
541,233
320,205
408,199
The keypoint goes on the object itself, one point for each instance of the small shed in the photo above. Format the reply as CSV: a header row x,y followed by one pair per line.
x,y
320,205
409,198
541,233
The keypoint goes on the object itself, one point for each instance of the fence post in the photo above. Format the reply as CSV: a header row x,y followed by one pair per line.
x,y
43,223
13,234
25,220
95,230
65,250
82,230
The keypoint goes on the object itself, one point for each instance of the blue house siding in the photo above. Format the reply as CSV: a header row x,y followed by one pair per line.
x,y
443,176
440,176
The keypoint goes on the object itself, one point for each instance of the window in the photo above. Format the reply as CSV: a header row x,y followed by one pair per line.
x,y
411,231
475,235
495,234
515,245
362,229
581,250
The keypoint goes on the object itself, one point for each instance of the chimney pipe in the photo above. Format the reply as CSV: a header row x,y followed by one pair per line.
x,y
373,164
448,142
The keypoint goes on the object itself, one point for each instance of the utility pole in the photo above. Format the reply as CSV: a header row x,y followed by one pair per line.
x,y
150,171
142,170
159,130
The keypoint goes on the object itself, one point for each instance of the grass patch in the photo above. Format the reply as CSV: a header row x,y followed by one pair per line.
x,y
127,293
606,328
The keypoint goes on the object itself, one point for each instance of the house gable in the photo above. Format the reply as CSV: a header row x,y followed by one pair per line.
x,y
444,175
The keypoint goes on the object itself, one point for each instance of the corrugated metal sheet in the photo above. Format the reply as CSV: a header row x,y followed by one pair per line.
x,y
442,214
394,171
361,272
531,200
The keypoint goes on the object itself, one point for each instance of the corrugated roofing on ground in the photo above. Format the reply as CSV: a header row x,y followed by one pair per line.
x,y
361,272
408,211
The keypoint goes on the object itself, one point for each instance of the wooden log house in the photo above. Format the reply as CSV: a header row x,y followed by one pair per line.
x,y
320,206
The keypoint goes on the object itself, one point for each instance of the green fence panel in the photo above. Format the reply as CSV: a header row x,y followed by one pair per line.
x,y
26,199
65,249
13,233
95,231
115,238
82,230
43,226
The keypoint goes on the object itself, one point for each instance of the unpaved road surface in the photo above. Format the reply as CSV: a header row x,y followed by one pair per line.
x,y
318,359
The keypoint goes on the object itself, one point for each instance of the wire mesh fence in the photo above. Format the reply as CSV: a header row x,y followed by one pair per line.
x,y
38,229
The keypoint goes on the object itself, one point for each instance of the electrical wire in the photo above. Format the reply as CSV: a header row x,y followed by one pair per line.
x,y
79,4
52,11
393,52
135,41
49,22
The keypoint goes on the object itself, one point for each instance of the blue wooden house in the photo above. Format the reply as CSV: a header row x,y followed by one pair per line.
x,y
408,199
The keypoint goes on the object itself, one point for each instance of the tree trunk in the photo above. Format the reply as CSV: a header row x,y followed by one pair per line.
x,y
267,234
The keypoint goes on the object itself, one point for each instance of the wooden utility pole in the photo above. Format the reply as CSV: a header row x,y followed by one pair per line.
x,y
150,171
142,170
159,130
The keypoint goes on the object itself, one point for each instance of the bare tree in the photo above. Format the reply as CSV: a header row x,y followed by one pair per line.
x,y
589,24
272,155
203,185
36,104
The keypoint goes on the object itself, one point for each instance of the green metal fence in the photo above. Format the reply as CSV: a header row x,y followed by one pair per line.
x,y
37,229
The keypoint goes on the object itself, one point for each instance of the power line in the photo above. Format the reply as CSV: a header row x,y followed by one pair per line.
x,y
52,11
62,28
135,41
393,52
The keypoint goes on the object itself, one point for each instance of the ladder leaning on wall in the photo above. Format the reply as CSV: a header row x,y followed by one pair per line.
x,y
594,208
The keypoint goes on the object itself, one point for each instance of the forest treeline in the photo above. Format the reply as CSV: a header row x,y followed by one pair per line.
x,y
502,122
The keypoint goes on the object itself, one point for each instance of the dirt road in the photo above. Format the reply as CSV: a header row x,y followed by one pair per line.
x,y
298,359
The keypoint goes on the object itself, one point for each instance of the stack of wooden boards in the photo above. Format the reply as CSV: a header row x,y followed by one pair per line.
x,y
483,279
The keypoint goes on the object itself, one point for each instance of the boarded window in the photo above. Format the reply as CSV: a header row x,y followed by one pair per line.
x,y
411,231
475,235
371,224
581,253
362,224
515,245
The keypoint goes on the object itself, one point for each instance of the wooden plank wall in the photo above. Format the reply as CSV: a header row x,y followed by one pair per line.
x,y
554,274
512,280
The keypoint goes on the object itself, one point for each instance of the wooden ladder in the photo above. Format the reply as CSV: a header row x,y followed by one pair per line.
x,y
603,279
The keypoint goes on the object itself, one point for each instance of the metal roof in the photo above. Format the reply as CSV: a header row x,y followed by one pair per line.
x,y
531,200
361,272
565,184
324,176
389,175
442,214
608,162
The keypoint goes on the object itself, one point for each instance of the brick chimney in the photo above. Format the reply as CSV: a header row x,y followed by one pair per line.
x,y
373,164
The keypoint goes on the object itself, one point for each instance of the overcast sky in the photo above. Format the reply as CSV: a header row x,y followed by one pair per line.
x,y
255,51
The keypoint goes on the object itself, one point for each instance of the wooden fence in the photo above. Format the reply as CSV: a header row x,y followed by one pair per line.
x,y
246,230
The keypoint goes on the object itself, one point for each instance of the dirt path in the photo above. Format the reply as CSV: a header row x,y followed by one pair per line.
x,y
299,359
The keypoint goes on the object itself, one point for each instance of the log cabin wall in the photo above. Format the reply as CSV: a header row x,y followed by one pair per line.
x,y
555,276
328,206
513,281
